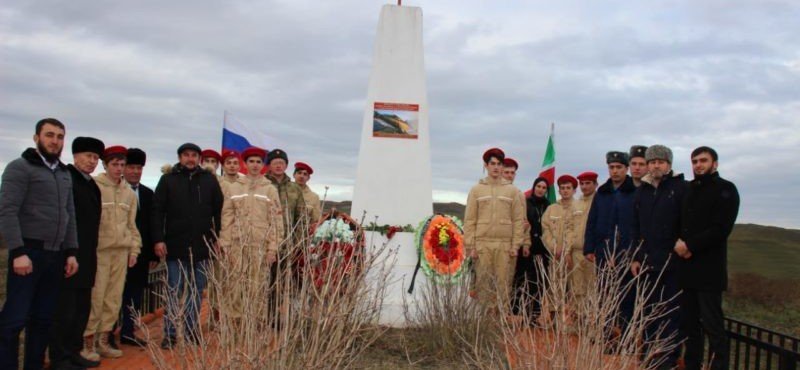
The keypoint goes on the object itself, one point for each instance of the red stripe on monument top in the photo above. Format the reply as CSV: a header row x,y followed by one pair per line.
x,y
397,106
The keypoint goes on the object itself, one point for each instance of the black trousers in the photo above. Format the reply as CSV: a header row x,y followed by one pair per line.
x,y
69,323
529,284
30,304
703,310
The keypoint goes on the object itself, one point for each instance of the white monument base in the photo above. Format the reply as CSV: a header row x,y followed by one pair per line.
x,y
399,264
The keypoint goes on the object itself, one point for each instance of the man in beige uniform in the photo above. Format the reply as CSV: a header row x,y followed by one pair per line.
x,y
230,168
210,160
493,231
583,275
118,246
230,174
249,235
560,234
302,173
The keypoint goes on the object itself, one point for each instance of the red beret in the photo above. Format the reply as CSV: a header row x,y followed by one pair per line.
x,y
567,179
303,166
588,176
115,150
509,162
229,153
494,152
254,151
210,153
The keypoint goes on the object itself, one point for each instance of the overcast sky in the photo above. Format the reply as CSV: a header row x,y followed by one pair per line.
x,y
154,74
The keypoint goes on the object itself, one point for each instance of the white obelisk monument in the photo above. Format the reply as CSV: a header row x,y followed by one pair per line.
x,y
393,179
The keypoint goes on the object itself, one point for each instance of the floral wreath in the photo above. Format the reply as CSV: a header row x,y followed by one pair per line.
x,y
335,252
440,244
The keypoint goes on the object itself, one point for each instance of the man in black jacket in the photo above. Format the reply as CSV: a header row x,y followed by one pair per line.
x,y
37,221
709,212
656,224
136,279
186,217
75,299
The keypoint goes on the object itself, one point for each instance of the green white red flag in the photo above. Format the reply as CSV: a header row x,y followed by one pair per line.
x,y
549,166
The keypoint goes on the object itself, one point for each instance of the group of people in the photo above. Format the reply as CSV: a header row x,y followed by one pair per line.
x,y
668,231
81,247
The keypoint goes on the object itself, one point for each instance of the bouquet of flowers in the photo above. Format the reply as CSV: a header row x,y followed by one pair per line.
x,y
333,231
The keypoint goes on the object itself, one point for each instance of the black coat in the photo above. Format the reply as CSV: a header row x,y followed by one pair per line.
x,y
709,212
610,220
186,212
88,208
657,221
137,275
535,209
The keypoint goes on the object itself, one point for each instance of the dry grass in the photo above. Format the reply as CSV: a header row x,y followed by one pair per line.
x,y
305,318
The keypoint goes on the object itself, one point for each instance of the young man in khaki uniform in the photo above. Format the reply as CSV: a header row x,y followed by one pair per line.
x,y
230,168
250,232
302,173
118,246
210,160
493,231
583,276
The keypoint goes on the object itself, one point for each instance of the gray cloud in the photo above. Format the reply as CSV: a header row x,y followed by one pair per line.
x,y
153,75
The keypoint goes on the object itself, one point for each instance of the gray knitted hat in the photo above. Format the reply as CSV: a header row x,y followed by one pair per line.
x,y
658,152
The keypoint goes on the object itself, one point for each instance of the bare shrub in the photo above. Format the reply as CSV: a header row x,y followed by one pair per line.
x,y
306,317
586,333
447,325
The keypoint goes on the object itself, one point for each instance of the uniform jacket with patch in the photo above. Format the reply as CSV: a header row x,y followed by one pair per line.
x,y
495,214
561,226
118,221
251,215
313,206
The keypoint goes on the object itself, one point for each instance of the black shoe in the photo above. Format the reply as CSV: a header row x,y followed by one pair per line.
x,y
112,342
84,362
67,365
168,343
132,341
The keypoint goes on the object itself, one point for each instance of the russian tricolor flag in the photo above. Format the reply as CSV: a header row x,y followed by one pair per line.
x,y
237,136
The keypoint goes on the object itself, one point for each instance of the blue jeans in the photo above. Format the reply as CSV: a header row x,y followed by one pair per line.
x,y
30,303
186,281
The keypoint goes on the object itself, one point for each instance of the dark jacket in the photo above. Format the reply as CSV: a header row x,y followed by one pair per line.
x,y
535,209
610,219
657,221
709,209
186,212
36,205
137,275
88,210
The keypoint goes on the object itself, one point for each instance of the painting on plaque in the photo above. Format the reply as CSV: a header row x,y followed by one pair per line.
x,y
395,120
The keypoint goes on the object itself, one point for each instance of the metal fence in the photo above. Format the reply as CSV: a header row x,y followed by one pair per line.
x,y
753,347
156,290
